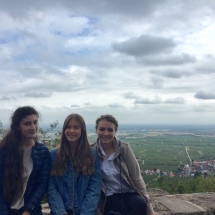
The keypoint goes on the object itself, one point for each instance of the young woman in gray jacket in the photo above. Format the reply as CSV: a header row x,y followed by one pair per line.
x,y
123,190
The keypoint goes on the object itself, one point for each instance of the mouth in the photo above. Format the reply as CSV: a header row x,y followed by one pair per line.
x,y
105,138
71,136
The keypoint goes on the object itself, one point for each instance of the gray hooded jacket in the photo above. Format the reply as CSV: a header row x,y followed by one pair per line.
x,y
130,171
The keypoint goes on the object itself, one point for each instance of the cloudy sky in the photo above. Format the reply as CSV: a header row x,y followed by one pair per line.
x,y
150,62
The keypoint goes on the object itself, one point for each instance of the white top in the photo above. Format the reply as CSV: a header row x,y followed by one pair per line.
x,y
28,167
111,176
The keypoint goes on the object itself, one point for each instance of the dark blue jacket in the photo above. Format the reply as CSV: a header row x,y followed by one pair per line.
x,y
37,183
62,190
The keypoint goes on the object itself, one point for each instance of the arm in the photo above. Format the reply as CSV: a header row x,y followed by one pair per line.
x,y
42,183
55,201
93,192
135,175
3,205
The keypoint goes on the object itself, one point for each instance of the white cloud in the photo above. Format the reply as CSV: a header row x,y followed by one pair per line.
x,y
131,95
177,100
115,105
102,57
38,95
145,45
204,95
154,100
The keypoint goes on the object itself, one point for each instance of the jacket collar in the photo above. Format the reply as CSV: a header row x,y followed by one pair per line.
x,y
115,145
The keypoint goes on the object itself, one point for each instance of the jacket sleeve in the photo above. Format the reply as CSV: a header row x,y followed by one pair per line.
x,y
36,197
91,200
135,174
55,201
3,205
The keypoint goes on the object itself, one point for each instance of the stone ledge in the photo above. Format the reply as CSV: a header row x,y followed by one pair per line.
x,y
178,204
181,204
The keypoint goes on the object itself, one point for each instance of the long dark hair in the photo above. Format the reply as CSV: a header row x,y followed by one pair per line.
x,y
10,148
83,160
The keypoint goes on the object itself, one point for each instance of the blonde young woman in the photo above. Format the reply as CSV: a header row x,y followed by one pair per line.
x,y
75,182
123,191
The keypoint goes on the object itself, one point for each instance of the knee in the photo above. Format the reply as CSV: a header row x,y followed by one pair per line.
x,y
141,204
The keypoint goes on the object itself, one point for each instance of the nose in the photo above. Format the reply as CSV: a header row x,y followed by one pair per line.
x,y
33,126
71,129
105,132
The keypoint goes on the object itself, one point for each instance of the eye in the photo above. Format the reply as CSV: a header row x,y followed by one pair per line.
x,y
110,130
76,127
101,129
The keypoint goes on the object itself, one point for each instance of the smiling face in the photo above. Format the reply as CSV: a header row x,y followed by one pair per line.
x,y
106,132
73,131
28,127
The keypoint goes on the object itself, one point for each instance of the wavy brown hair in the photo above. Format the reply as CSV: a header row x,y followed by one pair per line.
x,y
10,149
108,118
83,160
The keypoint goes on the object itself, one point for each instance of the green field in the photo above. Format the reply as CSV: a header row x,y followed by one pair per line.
x,y
167,152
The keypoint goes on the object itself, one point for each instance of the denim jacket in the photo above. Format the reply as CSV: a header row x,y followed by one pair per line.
x,y
74,191
37,182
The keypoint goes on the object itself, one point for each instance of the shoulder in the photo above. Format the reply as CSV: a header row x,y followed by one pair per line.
x,y
125,150
2,155
94,153
93,145
41,153
2,151
124,145
94,148
53,153
40,148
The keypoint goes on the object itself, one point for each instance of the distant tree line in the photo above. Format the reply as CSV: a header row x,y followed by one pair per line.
x,y
181,186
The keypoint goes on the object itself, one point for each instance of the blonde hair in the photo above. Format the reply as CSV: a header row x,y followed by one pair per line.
x,y
83,160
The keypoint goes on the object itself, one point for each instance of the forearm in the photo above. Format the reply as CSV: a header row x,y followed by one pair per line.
x,y
91,200
41,186
55,200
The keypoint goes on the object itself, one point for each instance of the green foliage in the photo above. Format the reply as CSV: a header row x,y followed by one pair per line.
x,y
167,152
181,186
1,127
48,137
149,178
44,199
2,130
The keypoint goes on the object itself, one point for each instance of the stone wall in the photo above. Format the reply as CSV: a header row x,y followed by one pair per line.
x,y
179,204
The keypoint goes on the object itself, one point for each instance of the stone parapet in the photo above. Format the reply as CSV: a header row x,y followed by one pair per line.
x,y
178,204
181,204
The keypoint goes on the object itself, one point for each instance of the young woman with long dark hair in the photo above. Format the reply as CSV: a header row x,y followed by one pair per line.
x,y
123,190
75,182
24,165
